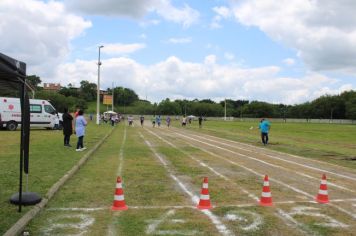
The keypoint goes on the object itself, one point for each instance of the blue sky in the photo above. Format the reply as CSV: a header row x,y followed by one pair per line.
x,y
275,51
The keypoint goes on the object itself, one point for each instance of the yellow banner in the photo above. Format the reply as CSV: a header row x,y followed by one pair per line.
x,y
107,100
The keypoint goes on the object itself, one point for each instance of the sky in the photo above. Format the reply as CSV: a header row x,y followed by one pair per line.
x,y
285,51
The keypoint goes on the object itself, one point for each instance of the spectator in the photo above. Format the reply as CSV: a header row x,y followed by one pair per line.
x,y
168,121
56,122
67,127
184,121
200,119
142,120
80,124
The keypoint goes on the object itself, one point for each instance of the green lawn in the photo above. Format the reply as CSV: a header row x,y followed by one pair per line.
x,y
332,143
94,185
49,161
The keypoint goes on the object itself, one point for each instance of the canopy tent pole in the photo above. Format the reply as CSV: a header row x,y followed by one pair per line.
x,y
13,75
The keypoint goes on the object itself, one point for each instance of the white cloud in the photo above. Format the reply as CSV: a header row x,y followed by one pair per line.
x,y
289,61
38,33
322,31
229,56
136,9
222,12
180,40
119,49
174,78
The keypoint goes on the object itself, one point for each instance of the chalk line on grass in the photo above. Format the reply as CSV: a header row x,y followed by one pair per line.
x,y
278,166
259,174
215,220
281,159
251,195
111,226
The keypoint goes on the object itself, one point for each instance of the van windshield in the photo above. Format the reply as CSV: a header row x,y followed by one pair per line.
x,y
49,109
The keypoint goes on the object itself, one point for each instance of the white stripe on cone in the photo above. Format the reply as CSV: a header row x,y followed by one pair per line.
x,y
119,197
205,185
323,192
204,197
266,194
118,185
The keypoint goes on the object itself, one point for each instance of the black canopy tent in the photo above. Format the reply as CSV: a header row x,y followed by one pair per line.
x,y
13,77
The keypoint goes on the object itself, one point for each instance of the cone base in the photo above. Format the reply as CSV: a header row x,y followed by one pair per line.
x,y
266,204
123,208
204,207
322,201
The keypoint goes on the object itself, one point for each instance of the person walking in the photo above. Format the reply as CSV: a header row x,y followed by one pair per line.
x,y
158,121
142,120
265,127
153,121
200,119
67,127
56,122
184,121
168,121
80,124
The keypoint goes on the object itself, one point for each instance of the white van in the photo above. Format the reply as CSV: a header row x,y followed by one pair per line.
x,y
42,113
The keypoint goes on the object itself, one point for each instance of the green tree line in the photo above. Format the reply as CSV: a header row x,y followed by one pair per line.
x,y
342,106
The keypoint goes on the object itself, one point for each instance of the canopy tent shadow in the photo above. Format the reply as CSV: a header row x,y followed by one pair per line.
x,y
13,77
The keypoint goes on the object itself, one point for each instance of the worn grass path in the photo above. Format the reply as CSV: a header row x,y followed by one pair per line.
x,y
162,170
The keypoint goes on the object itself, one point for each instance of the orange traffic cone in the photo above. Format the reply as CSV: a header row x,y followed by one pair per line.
x,y
322,196
119,200
204,202
266,198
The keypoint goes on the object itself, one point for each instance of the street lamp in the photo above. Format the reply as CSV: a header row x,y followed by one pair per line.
x,y
98,91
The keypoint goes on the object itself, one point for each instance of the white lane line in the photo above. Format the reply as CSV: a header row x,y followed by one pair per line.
x,y
274,151
218,224
152,227
290,223
259,174
111,227
281,159
190,207
251,195
273,165
121,154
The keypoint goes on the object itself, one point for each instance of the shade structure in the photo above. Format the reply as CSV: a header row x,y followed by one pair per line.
x,y
13,77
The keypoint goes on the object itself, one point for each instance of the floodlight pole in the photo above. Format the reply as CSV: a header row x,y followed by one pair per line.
x,y
112,91
98,91
225,110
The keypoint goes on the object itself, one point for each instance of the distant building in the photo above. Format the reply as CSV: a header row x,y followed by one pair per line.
x,y
54,87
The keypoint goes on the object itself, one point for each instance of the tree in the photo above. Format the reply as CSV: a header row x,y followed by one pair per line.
x,y
34,81
125,96
166,107
88,91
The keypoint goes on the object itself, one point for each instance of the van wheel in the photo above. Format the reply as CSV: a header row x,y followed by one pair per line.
x,y
11,126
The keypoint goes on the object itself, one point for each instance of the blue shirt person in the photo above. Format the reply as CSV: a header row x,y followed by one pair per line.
x,y
264,126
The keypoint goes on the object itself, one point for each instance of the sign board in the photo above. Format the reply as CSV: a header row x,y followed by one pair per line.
x,y
107,100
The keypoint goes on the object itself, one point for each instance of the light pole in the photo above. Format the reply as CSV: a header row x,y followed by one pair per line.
x,y
98,91
225,110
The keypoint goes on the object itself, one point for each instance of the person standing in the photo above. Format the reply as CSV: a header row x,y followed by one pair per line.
x,y
168,121
67,127
142,119
200,119
112,119
80,124
184,121
153,121
56,122
158,121
264,126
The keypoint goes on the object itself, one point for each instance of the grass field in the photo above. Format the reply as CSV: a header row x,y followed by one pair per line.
x,y
163,169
